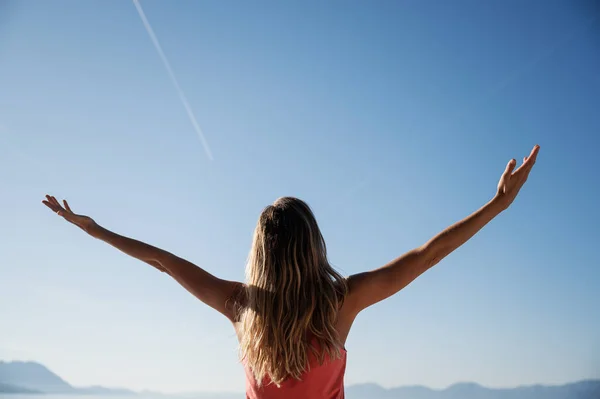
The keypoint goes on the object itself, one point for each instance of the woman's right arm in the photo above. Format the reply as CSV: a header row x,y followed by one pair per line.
x,y
211,290
368,288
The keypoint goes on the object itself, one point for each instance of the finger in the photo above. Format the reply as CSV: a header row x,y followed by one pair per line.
x,y
529,160
57,207
532,159
525,169
533,155
67,207
49,205
535,150
58,204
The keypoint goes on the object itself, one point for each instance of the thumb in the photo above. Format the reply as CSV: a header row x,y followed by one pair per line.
x,y
509,168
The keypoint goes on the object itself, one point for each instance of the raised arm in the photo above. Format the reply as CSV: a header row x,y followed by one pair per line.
x,y
211,290
370,287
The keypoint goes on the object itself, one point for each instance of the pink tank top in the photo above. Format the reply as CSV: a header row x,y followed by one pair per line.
x,y
324,381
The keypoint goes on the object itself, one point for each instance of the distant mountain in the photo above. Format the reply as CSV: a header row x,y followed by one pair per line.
x,y
578,390
31,377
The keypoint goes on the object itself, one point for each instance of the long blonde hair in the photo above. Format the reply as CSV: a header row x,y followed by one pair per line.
x,y
291,293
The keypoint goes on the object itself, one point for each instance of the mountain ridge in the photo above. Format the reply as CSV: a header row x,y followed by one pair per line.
x,y
32,377
35,378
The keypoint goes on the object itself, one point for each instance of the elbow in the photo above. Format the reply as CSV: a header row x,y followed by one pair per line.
x,y
431,256
157,265
163,258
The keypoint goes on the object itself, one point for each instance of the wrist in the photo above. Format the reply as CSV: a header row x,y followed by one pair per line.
x,y
499,202
93,229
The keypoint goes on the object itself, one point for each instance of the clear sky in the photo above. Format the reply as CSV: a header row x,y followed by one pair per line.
x,y
392,119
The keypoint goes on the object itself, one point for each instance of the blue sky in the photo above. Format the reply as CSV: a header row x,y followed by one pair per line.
x,y
391,119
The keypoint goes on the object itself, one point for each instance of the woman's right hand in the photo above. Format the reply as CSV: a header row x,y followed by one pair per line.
x,y
85,223
511,182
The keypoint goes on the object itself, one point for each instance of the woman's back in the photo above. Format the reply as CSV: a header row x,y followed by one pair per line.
x,y
323,381
288,310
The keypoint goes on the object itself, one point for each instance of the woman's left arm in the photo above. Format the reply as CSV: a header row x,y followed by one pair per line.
x,y
211,290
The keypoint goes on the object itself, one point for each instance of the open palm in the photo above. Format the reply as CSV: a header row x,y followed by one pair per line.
x,y
511,181
81,221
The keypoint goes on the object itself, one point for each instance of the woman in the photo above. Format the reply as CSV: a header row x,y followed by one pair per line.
x,y
294,313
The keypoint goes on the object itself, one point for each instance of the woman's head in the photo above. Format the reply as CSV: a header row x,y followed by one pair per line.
x,y
292,293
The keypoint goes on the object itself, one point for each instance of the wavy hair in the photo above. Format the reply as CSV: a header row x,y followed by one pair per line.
x,y
292,295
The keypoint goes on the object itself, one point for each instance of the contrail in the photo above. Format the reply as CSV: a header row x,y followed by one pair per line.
x,y
165,61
